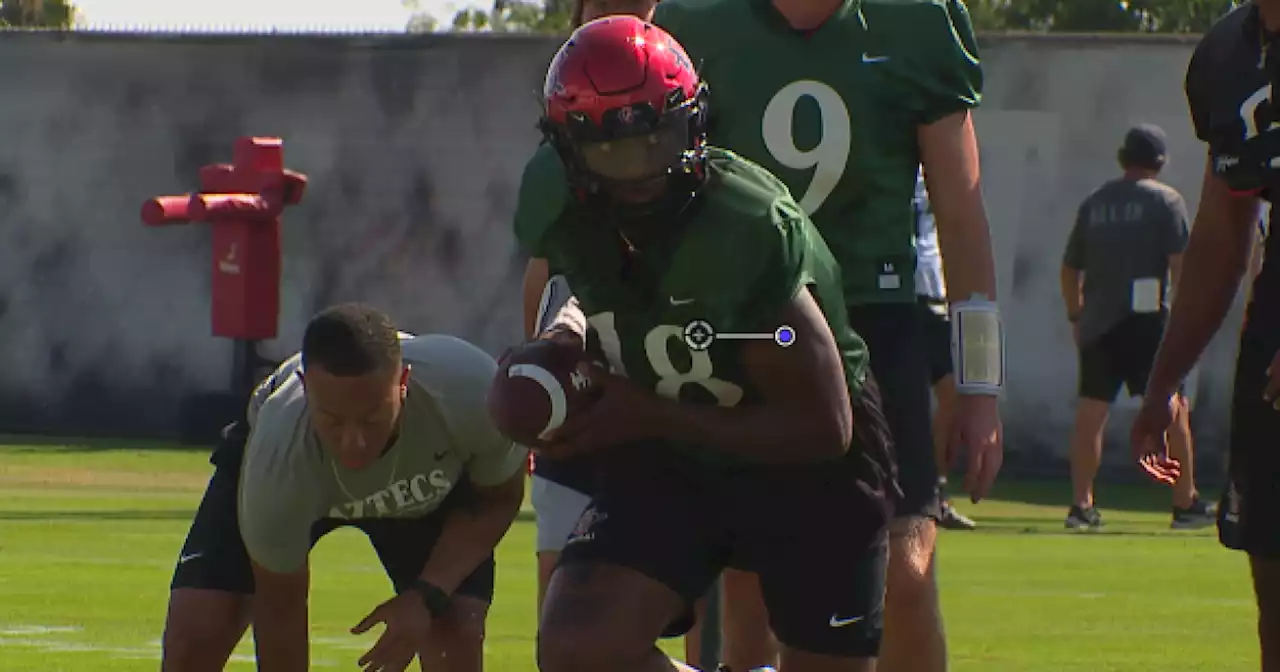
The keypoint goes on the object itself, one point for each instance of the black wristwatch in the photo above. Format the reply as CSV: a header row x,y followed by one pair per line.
x,y
433,597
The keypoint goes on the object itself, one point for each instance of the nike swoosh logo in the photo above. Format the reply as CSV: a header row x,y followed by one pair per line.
x,y
867,58
183,559
841,622
680,302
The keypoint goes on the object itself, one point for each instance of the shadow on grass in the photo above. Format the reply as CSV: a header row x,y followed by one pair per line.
x,y
1053,492
46,444
92,516
130,514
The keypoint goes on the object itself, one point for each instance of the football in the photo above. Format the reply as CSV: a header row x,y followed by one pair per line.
x,y
537,388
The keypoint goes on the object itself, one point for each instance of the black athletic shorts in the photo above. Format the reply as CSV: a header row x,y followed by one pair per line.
x,y
937,335
214,557
815,534
1249,514
895,335
1122,356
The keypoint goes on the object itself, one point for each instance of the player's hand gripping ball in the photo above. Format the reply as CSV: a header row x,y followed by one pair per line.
x,y
538,388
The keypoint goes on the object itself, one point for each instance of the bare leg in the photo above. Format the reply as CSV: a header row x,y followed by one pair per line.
x,y
800,661
913,633
1086,448
202,628
693,638
1266,586
1180,449
601,617
546,565
748,642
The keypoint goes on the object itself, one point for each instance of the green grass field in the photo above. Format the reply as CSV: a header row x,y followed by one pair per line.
x,y
88,537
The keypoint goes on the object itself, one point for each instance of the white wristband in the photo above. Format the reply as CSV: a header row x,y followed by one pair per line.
x,y
977,346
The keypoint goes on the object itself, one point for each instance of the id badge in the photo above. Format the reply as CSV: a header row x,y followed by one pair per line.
x,y
1146,295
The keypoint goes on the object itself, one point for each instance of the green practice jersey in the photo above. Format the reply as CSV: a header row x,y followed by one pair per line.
x,y
834,112
743,252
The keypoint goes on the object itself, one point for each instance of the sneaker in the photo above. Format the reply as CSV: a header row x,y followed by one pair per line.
x,y
1199,514
1083,518
954,520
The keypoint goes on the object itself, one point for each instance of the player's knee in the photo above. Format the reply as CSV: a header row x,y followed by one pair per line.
x,y
570,648
910,577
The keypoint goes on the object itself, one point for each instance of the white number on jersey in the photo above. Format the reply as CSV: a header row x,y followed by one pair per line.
x,y
671,380
829,157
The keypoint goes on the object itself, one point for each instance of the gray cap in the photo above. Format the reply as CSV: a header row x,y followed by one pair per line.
x,y
1145,144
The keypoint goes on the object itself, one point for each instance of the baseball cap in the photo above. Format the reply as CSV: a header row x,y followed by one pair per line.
x,y
1145,144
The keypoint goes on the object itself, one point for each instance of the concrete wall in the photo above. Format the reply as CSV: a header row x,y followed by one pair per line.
x,y
414,146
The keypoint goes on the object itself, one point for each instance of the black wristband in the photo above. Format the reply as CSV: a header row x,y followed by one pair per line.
x,y
1073,318
433,597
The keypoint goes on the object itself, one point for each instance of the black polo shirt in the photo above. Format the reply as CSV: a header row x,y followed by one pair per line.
x,y
1229,90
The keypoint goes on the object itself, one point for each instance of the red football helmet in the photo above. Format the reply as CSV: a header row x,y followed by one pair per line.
x,y
627,112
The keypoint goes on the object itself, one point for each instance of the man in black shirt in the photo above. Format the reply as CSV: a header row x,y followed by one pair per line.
x,y
1229,88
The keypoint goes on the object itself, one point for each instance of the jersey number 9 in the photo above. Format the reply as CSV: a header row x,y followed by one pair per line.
x,y
829,157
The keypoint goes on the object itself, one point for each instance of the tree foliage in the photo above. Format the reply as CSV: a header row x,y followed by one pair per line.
x,y
517,16
37,14
1093,16
1151,16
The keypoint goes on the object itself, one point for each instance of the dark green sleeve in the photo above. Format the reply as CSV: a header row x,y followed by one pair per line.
x,y
543,196
943,53
781,270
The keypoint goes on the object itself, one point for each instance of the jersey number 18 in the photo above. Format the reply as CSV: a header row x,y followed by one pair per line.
x,y
670,379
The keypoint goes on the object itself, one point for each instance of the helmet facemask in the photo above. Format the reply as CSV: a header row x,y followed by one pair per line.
x,y
638,162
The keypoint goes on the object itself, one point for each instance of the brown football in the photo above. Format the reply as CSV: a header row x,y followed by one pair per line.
x,y
538,388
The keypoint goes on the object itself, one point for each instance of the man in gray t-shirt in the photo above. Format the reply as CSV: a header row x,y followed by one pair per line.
x,y
1122,260
369,428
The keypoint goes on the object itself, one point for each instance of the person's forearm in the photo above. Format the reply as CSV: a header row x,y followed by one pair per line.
x,y
758,433
1212,265
280,634
470,534
964,237
1071,294
536,275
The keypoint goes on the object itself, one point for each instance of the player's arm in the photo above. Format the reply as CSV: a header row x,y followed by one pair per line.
x,y
949,153
280,623
276,538
1072,275
540,202
805,414
536,275
1217,255
275,521
472,531
495,468
1218,248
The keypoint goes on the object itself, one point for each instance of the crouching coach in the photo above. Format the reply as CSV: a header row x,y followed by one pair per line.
x,y
365,427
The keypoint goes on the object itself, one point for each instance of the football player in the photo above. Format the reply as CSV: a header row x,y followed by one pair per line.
x,y
1230,81
843,100
560,489
716,451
